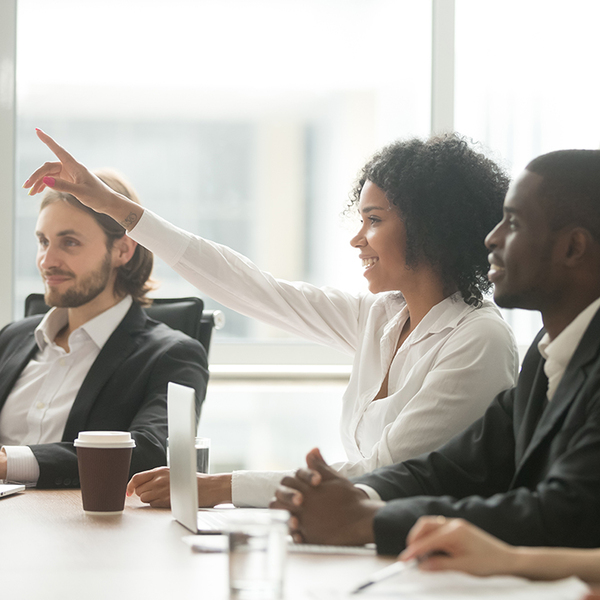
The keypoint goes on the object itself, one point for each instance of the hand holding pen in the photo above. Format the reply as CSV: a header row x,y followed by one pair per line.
x,y
442,544
438,544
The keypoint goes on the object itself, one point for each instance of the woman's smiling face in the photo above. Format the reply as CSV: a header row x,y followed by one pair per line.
x,y
381,241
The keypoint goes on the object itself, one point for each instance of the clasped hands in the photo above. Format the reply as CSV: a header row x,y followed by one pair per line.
x,y
325,507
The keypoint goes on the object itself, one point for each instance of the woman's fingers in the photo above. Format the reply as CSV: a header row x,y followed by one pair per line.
x,y
155,492
35,182
65,158
434,536
62,174
140,479
423,527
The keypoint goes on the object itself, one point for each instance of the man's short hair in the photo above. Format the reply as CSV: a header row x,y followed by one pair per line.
x,y
132,278
571,185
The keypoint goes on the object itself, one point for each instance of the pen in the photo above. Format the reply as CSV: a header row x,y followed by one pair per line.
x,y
385,573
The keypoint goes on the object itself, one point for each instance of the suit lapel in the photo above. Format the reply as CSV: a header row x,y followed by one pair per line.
x,y
569,387
119,346
536,402
15,365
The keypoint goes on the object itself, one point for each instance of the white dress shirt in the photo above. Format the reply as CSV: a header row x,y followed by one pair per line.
x,y
38,406
558,352
441,379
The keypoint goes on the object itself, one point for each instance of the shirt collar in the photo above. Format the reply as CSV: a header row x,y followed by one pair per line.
x,y
99,329
444,315
447,313
562,348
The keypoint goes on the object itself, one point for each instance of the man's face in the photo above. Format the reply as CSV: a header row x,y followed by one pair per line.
x,y
521,258
72,257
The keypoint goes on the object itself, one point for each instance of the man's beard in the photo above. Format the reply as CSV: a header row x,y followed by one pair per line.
x,y
83,292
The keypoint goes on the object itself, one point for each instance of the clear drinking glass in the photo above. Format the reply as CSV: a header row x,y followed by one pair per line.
x,y
257,554
202,446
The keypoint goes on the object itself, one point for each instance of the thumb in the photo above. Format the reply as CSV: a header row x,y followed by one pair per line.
x,y
316,462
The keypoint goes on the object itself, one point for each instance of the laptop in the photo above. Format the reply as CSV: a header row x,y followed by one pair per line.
x,y
181,412
6,489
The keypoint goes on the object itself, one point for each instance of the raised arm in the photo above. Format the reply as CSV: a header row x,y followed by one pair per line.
x,y
68,175
329,317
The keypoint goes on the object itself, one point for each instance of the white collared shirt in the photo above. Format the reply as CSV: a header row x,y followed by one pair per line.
x,y
558,352
442,378
38,406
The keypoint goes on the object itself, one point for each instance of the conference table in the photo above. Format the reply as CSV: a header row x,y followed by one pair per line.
x,y
50,549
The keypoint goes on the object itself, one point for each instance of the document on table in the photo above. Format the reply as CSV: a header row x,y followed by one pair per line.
x,y
450,585
218,543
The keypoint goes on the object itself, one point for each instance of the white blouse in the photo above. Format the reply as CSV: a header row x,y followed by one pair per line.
x,y
441,379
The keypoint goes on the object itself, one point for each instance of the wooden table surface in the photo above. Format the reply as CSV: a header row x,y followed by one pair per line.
x,y
50,549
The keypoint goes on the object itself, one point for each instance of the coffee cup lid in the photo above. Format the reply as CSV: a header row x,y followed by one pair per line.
x,y
104,439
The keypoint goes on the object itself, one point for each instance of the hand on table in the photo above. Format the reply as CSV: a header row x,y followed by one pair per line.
x,y
69,176
154,488
454,544
326,508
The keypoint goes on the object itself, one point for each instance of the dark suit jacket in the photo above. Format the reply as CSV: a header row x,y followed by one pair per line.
x,y
124,390
528,471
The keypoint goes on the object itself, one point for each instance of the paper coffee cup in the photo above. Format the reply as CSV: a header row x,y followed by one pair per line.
x,y
104,458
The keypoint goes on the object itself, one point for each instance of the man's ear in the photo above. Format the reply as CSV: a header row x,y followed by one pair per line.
x,y
123,250
577,244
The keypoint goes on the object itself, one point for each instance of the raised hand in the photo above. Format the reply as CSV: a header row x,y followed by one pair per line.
x,y
72,177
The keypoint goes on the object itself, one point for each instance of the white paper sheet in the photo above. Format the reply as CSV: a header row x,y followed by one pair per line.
x,y
451,585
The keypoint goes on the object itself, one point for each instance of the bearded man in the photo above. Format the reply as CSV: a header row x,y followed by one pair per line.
x,y
95,361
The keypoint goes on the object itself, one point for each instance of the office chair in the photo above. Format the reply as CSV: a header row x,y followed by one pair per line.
x,y
183,314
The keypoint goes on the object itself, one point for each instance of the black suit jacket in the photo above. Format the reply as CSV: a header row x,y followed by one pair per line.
x,y
124,390
528,471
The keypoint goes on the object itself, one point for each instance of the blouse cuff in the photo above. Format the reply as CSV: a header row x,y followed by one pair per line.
x,y
160,237
255,488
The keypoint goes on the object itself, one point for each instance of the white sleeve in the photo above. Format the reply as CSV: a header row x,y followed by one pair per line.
x,y
477,362
369,491
21,465
255,488
325,315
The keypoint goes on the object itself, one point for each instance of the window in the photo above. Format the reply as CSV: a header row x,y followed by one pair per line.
x,y
526,84
243,121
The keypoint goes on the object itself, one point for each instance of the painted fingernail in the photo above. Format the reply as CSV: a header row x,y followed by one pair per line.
x,y
26,183
37,129
49,181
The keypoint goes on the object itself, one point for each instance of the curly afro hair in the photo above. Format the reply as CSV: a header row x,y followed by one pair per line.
x,y
449,197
